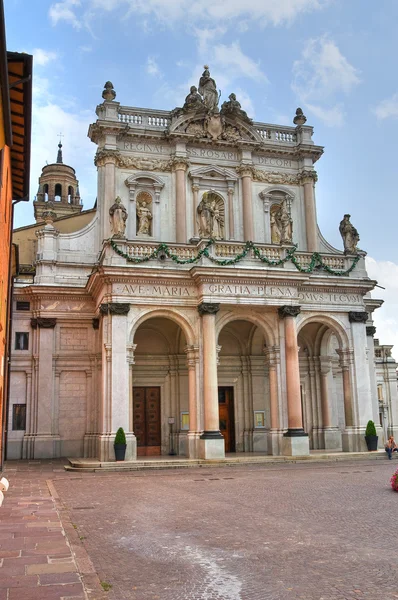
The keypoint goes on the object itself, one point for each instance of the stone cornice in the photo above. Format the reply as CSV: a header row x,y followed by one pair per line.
x,y
288,311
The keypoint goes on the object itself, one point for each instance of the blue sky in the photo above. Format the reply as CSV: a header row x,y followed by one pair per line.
x,y
334,58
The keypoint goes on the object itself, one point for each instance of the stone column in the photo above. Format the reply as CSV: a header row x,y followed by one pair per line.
x,y
195,202
331,434
180,165
349,437
116,388
231,211
245,172
295,440
193,435
308,179
370,331
211,441
106,160
272,359
46,442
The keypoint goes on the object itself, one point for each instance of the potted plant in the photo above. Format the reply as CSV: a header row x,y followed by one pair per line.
x,y
371,436
120,444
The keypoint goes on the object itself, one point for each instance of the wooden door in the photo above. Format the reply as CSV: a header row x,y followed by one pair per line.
x,y
226,416
146,420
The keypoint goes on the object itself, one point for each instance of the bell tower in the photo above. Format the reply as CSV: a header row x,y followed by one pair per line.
x,y
58,184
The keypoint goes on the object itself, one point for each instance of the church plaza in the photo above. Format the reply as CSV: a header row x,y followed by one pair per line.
x,y
197,305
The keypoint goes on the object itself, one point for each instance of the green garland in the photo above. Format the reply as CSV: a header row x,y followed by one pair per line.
x,y
315,263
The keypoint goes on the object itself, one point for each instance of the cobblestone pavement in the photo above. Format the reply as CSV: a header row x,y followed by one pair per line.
x,y
285,532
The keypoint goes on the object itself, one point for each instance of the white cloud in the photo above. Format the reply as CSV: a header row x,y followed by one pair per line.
x,y
63,11
321,76
43,57
386,317
274,12
206,35
152,67
388,108
237,64
85,48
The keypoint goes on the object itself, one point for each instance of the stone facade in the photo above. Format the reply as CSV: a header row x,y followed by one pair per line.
x,y
176,314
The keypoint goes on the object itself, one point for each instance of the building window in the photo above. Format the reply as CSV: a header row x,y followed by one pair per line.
x,y
19,417
21,340
58,192
22,305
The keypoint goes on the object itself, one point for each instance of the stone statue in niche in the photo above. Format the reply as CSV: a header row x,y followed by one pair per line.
x,y
275,233
208,90
193,101
144,214
118,217
232,108
211,216
285,223
350,235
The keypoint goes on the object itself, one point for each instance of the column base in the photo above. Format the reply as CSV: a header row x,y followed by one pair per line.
x,y
296,444
193,444
90,445
211,447
41,446
353,439
106,451
275,439
331,438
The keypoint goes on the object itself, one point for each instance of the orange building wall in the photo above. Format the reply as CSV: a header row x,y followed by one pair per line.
x,y
5,241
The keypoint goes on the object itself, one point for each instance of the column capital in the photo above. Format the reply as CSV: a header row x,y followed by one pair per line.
x,y
179,163
357,317
115,308
43,323
288,311
195,187
208,308
130,353
192,353
308,176
370,330
272,355
325,364
346,357
245,170
105,156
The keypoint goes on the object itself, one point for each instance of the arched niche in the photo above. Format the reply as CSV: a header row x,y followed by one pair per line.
x,y
273,199
210,216
150,186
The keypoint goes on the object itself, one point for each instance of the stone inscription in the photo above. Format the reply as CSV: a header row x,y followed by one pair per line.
x,y
329,298
144,147
219,289
216,154
166,291
275,162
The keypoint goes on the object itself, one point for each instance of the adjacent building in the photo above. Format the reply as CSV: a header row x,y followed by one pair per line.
x,y
197,305
15,130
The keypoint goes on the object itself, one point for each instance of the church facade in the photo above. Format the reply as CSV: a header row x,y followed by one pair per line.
x,y
198,307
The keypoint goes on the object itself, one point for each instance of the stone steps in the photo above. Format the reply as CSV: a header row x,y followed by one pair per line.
x,y
94,466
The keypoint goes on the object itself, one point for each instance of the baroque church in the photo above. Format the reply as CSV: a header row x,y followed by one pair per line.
x,y
197,305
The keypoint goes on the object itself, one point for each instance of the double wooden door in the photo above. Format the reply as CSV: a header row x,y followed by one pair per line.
x,y
146,420
226,416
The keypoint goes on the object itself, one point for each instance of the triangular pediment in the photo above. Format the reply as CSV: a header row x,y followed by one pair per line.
x,y
213,172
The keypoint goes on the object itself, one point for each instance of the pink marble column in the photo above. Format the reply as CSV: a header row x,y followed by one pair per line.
x,y
231,213
192,402
295,417
195,198
208,313
180,166
308,179
245,172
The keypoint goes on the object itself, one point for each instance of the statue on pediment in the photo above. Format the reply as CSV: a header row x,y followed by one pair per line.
x,y
349,234
208,90
193,102
232,108
118,217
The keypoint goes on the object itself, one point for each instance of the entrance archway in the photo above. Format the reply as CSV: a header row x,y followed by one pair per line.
x,y
322,384
243,385
160,411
